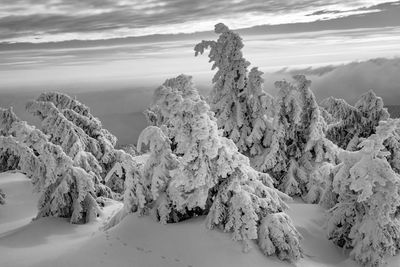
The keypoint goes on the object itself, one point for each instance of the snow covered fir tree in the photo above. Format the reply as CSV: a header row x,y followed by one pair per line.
x,y
192,170
227,98
65,189
366,216
284,137
237,158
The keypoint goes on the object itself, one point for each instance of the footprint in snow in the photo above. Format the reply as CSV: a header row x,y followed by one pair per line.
x,y
140,249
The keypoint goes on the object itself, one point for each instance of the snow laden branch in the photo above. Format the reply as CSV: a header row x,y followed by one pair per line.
x,y
192,170
365,218
65,190
350,123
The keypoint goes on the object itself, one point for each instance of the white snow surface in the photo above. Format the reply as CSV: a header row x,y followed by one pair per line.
x,y
141,241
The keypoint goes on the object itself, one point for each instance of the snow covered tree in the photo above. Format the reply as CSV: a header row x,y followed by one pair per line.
x,y
227,98
392,144
124,167
72,139
193,170
366,217
261,114
65,190
86,132
90,124
104,142
150,192
13,156
298,144
353,123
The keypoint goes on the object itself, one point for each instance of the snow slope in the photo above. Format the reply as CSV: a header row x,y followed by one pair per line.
x,y
140,241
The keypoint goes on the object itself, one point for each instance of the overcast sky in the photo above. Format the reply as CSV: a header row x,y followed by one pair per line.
x,y
80,46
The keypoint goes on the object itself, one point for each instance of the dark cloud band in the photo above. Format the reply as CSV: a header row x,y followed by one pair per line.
x,y
97,19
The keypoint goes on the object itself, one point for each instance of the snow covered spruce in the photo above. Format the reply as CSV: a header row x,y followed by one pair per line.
x,y
70,124
237,98
192,170
284,137
366,216
351,123
71,163
65,189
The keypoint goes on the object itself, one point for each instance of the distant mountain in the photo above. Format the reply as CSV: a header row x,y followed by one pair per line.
x,y
394,111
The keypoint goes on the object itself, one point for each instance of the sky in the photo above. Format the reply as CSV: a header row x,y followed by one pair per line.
x,y
114,53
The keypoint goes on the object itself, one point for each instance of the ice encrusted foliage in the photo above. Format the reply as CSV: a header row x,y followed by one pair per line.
x,y
227,97
193,170
366,218
65,190
298,145
351,123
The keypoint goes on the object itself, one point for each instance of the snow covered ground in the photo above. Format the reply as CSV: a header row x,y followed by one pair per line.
x,y
140,241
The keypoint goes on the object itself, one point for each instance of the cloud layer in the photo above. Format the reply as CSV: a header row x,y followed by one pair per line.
x,y
56,20
349,81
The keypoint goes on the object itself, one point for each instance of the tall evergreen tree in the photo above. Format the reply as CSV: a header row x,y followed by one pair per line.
x,y
227,98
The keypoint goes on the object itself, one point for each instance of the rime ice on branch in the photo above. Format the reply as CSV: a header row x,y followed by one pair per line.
x,y
193,170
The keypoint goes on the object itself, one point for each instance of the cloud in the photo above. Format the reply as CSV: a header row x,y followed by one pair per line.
x,y
349,81
55,20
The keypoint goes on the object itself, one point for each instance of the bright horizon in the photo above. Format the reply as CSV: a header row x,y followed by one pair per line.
x,y
84,47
